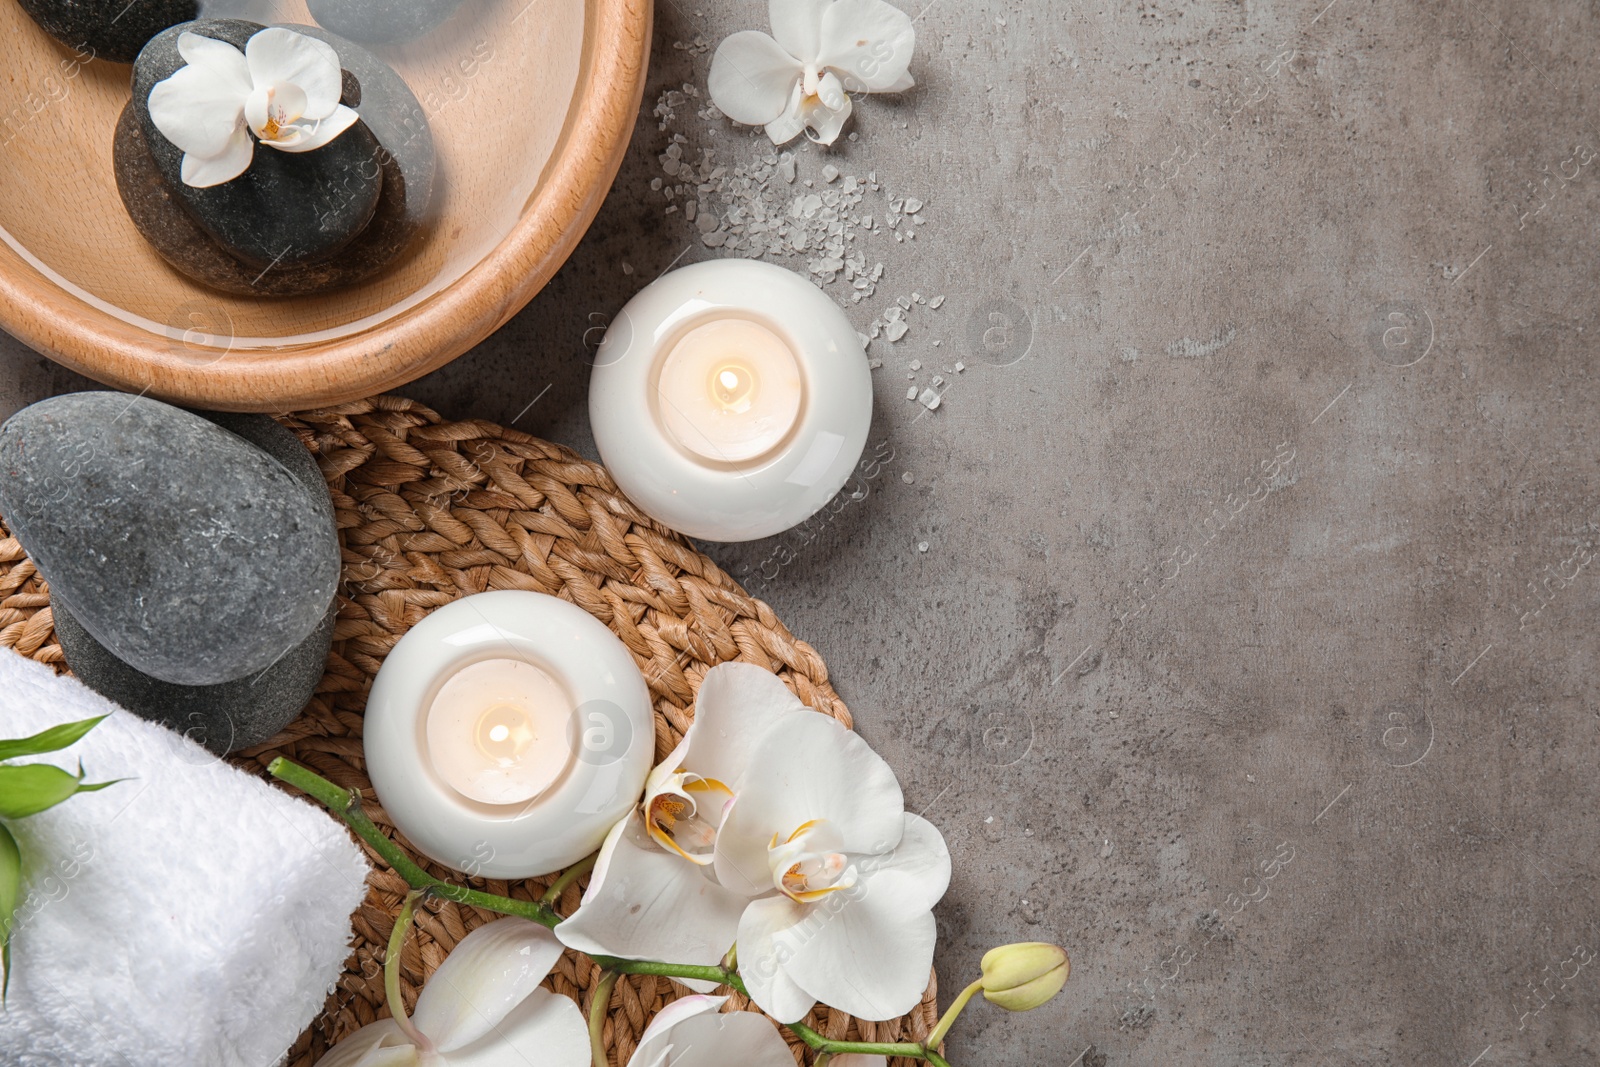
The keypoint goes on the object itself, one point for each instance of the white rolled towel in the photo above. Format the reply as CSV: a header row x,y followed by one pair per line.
x,y
192,916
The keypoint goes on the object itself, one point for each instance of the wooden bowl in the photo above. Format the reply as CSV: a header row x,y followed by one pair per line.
x,y
529,140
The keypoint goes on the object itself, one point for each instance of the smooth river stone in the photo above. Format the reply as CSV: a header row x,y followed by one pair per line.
x,y
382,21
225,717
405,208
288,208
109,29
184,549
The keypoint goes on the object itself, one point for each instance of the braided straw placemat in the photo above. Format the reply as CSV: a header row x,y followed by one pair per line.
x,y
429,511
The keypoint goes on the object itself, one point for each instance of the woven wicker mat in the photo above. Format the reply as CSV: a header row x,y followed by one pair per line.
x,y
430,511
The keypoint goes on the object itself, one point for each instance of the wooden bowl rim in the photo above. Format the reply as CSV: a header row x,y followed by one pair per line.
x,y
54,322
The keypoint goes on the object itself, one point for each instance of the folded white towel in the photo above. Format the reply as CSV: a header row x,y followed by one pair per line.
x,y
193,916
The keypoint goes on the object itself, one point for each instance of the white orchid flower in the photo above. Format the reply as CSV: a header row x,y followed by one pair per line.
x,y
690,1033
820,51
482,1008
654,893
843,879
284,88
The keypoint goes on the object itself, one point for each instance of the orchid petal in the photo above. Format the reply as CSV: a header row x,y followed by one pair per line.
x,y
869,957
752,77
812,768
644,903
916,874
699,1037
489,973
791,124
197,109
220,59
656,1041
766,930
546,1030
321,133
379,1044
738,703
869,42
797,25
202,172
827,117
280,56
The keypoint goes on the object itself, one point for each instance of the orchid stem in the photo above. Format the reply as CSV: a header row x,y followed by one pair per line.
x,y
823,1060
346,804
599,1004
948,1020
391,972
568,876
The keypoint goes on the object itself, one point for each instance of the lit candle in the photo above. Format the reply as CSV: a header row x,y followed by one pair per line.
x,y
731,400
507,732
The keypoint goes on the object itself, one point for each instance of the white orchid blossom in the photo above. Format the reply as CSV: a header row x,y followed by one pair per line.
x,y
690,1033
820,51
284,89
482,1008
816,870
844,880
653,893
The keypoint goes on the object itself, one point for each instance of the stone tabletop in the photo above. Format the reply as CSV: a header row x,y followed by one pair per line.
x,y
1230,612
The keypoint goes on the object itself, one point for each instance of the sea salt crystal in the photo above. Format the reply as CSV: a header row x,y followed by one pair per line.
x,y
960,367
929,399
912,205
830,173
922,546
905,305
916,364
689,210
936,302
895,330
911,394
908,477
714,240
937,381
894,314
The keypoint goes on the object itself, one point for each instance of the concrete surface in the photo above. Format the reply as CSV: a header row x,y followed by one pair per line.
x,y
1256,529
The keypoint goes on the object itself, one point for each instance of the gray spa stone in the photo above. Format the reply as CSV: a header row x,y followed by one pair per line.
x,y
225,717
108,29
287,208
186,550
382,21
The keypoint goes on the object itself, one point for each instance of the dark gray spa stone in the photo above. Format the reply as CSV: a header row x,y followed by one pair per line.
x,y
407,160
189,552
382,21
224,718
108,29
287,208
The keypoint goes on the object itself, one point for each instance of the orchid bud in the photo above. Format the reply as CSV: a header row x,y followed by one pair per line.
x,y
1023,977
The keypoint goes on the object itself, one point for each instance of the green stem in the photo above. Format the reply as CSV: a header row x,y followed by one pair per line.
x,y
391,972
948,1020
599,1004
823,1060
937,1060
568,876
346,804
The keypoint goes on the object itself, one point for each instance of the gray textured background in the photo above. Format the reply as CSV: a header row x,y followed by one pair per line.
x,y
1147,658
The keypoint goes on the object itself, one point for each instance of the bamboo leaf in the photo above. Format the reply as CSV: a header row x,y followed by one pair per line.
x,y
33,788
10,897
52,740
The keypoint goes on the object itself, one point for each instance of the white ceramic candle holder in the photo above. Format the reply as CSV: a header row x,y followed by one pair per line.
x,y
731,399
507,733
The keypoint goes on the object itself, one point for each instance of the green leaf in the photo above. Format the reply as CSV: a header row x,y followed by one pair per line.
x,y
10,897
52,740
34,788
